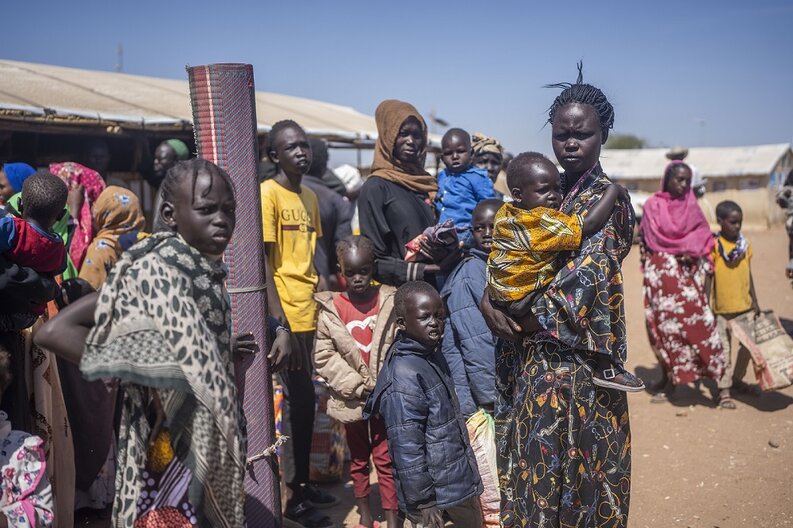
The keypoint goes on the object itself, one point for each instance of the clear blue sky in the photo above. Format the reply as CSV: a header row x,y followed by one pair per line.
x,y
712,73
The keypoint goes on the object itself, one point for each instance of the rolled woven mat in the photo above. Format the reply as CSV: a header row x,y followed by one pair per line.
x,y
224,123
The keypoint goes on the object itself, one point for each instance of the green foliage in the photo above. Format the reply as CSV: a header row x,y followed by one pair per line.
x,y
625,141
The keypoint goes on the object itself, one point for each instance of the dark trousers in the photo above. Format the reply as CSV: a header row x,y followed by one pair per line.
x,y
297,413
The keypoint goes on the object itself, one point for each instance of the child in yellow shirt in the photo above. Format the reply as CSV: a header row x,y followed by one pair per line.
x,y
733,293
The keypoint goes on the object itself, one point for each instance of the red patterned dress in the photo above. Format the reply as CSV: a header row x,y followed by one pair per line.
x,y
680,324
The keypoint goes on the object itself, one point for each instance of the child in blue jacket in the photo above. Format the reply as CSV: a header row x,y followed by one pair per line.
x,y
469,346
461,185
434,467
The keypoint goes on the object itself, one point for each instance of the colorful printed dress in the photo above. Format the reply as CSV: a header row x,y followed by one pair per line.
x,y
563,443
25,491
680,324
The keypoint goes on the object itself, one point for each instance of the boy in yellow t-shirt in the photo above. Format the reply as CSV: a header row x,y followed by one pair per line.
x,y
733,293
291,226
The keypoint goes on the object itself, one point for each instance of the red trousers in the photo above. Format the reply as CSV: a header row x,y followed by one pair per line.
x,y
368,438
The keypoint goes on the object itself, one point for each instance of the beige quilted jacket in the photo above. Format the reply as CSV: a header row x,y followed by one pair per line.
x,y
339,361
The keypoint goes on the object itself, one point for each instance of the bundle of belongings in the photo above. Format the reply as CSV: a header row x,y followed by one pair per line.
x,y
441,236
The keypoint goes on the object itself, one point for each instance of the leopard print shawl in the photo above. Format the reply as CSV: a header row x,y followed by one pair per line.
x,y
163,322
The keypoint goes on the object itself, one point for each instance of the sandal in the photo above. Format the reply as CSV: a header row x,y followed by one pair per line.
x,y
660,397
618,378
726,402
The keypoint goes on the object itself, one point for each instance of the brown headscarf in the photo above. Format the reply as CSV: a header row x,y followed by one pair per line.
x,y
116,212
389,116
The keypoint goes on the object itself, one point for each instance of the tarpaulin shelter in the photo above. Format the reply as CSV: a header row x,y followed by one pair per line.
x,y
58,97
52,114
748,175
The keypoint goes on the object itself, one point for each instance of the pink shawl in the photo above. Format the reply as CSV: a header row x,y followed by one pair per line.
x,y
675,225
93,184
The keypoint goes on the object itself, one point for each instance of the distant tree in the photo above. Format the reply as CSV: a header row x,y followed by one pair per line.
x,y
625,141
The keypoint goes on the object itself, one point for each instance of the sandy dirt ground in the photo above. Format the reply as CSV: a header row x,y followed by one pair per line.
x,y
695,465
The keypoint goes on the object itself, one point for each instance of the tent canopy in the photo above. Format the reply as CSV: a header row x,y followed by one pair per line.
x,y
54,94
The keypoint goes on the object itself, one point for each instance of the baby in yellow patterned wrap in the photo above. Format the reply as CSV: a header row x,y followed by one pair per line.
x,y
529,235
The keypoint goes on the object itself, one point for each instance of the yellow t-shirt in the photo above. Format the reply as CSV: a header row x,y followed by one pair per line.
x,y
291,221
731,280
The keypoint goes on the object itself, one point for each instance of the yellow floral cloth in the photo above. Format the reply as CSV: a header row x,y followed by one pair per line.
x,y
526,245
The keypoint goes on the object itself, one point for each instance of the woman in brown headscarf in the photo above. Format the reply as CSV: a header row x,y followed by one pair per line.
x,y
118,220
395,204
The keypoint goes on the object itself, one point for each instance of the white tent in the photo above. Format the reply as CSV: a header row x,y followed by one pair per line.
x,y
39,93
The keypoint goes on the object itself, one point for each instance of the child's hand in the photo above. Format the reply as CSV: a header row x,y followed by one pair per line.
x,y
450,261
281,355
624,194
75,199
432,517
243,345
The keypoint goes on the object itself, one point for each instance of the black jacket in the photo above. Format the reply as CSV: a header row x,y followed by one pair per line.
x,y
391,215
335,215
427,437
22,289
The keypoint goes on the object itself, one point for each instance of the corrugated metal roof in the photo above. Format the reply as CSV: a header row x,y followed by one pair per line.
x,y
39,90
712,162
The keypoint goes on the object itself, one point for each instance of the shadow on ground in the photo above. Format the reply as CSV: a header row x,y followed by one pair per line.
x,y
704,393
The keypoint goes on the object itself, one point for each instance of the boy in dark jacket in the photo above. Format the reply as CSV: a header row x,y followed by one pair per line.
x,y
434,467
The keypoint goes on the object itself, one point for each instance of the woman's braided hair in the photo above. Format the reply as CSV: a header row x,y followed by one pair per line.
x,y
582,93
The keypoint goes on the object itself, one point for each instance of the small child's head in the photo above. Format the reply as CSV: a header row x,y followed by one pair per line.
x,y
198,203
677,179
730,218
420,312
356,262
482,222
456,151
288,147
534,181
43,199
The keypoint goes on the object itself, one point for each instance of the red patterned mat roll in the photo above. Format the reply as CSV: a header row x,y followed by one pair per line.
x,y
224,122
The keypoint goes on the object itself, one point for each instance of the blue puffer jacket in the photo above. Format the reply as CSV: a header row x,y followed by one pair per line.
x,y
427,438
468,344
458,194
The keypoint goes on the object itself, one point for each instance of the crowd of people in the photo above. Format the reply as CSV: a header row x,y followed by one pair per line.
x,y
470,328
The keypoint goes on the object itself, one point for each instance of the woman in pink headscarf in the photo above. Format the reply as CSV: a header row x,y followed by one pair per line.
x,y
85,185
676,242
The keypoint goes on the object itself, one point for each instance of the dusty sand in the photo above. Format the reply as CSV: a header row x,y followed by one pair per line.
x,y
695,465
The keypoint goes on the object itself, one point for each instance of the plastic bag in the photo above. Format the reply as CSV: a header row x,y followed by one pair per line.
x,y
482,434
770,346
